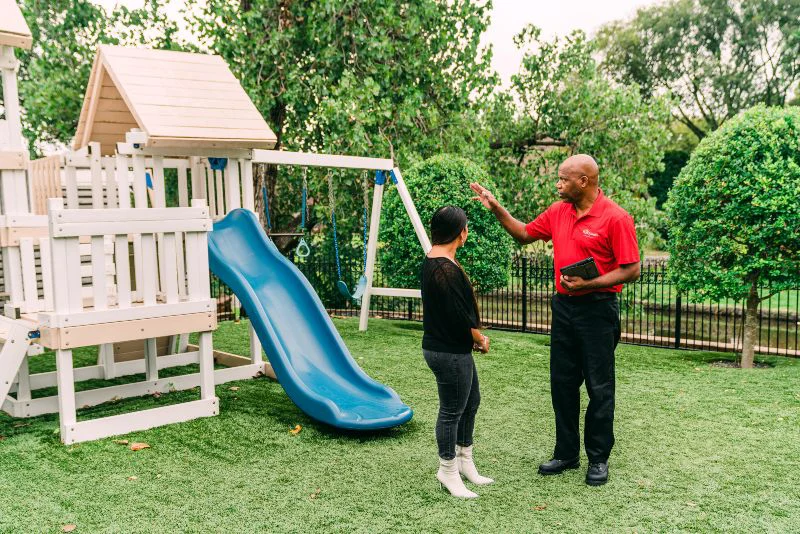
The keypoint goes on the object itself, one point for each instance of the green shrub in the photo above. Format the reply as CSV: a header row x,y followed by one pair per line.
x,y
433,183
734,213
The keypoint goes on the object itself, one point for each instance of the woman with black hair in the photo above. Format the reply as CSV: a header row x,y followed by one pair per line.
x,y
451,325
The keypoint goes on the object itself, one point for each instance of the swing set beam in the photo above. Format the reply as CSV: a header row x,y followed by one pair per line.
x,y
307,159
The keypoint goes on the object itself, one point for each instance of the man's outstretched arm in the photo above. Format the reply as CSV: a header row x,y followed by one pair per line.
x,y
514,227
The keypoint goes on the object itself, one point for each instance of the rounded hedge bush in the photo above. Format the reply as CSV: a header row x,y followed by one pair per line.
x,y
734,211
433,183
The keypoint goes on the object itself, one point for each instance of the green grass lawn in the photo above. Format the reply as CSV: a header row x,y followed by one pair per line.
x,y
699,448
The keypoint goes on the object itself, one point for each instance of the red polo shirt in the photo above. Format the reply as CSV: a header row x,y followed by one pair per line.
x,y
605,232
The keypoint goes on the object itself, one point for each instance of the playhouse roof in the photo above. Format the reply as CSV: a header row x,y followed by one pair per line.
x,y
14,30
178,99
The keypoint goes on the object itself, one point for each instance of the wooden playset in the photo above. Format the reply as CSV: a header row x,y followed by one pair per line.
x,y
94,255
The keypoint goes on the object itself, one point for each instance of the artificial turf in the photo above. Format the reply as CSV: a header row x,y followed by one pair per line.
x,y
699,448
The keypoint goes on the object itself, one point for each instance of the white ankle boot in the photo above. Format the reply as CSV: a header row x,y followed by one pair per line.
x,y
467,467
450,479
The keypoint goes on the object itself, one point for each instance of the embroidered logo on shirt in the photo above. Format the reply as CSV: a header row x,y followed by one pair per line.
x,y
588,233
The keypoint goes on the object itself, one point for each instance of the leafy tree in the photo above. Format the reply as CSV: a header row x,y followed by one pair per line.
x,y
436,182
734,214
662,181
717,57
54,73
560,105
375,77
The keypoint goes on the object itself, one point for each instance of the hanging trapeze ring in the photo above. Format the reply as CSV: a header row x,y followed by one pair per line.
x,y
302,250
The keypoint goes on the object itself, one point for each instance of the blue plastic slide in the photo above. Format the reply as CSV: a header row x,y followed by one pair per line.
x,y
305,350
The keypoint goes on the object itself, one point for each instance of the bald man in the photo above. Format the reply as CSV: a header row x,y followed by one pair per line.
x,y
585,326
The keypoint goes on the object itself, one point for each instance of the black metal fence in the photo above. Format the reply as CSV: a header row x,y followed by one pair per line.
x,y
652,312
228,308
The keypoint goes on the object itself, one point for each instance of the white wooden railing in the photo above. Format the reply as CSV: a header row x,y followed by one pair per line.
x,y
183,234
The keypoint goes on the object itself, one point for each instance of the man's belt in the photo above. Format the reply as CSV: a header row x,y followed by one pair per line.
x,y
589,297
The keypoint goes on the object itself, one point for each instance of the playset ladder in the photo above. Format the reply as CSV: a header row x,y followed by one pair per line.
x,y
16,337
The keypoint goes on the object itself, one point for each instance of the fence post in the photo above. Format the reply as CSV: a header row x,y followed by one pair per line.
x,y
524,293
678,306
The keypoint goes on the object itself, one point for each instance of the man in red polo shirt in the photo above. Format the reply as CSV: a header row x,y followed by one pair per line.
x,y
585,323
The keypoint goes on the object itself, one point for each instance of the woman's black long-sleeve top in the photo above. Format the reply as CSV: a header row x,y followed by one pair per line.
x,y
449,311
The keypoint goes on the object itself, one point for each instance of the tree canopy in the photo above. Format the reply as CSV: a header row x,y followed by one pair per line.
x,y
374,78
560,105
717,57
54,73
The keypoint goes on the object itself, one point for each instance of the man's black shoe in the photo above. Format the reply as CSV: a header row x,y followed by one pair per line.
x,y
556,466
597,474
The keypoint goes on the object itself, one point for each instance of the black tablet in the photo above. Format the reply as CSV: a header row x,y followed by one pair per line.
x,y
586,269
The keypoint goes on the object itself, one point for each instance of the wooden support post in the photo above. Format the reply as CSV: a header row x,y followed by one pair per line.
x,y
206,366
29,282
66,394
255,346
123,182
183,187
71,183
12,112
96,168
109,170
233,197
12,275
221,208
209,189
372,248
183,343
248,198
24,381
106,360
372,243
47,274
150,354
160,198
411,210
140,201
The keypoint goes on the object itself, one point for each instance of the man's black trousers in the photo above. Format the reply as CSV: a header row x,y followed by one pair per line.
x,y
585,332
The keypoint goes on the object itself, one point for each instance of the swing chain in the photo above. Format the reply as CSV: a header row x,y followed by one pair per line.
x,y
331,202
304,207
331,197
365,187
303,250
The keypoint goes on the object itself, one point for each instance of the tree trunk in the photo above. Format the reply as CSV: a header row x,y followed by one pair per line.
x,y
259,171
268,174
689,123
750,325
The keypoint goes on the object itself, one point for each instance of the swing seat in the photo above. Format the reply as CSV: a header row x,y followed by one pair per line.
x,y
285,234
361,286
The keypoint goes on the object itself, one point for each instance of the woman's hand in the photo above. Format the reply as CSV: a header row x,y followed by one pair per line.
x,y
479,341
483,345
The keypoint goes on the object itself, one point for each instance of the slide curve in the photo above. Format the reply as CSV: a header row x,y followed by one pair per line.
x,y
309,357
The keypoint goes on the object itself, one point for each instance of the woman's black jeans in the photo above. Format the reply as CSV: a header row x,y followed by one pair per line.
x,y
459,397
